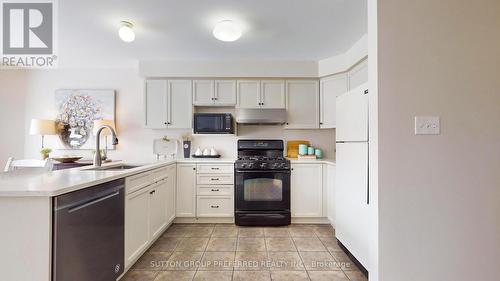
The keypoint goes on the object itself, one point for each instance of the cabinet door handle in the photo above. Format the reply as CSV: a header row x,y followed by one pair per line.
x,y
194,168
213,168
214,207
213,189
215,179
152,192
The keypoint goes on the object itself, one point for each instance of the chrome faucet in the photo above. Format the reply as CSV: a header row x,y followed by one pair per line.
x,y
97,155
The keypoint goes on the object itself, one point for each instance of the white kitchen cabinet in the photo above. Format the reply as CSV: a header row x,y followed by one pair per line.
x,y
186,190
330,88
273,94
307,190
171,183
158,208
248,92
180,104
168,104
358,74
302,104
329,192
215,206
225,92
155,100
215,190
214,93
137,237
203,92
261,94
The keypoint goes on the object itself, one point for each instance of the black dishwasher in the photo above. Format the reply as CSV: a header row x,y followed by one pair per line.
x,y
88,233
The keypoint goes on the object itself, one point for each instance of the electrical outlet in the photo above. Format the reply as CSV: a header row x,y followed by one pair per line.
x,y
427,125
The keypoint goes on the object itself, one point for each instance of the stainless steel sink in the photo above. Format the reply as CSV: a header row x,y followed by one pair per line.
x,y
113,168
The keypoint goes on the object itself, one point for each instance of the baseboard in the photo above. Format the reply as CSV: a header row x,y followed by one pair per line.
x,y
204,220
231,220
310,220
353,259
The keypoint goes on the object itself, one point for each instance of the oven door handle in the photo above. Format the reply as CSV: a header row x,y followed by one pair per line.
x,y
263,171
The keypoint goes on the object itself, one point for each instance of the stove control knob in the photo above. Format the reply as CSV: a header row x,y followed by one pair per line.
x,y
263,165
250,165
243,165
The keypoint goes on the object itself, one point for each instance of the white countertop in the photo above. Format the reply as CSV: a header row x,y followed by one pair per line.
x,y
49,184
318,161
206,160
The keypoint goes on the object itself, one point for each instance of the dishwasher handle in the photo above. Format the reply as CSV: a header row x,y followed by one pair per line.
x,y
92,202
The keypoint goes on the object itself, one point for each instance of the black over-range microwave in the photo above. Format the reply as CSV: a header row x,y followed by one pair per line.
x,y
213,123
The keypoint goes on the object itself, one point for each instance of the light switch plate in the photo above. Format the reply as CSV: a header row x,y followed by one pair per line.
x,y
427,125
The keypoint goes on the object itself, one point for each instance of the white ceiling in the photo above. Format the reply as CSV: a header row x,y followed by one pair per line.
x,y
182,29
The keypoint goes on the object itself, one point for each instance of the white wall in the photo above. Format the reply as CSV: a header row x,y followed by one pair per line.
x,y
227,68
373,236
439,196
135,142
12,101
343,62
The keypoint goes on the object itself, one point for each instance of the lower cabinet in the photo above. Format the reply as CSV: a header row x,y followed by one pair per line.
x,y
215,189
136,225
158,208
329,192
171,186
186,191
215,206
149,208
307,190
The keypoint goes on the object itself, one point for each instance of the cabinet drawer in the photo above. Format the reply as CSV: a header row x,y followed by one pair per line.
x,y
215,206
215,190
215,168
161,173
136,182
215,179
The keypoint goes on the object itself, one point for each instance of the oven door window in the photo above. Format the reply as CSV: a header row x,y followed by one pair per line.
x,y
263,189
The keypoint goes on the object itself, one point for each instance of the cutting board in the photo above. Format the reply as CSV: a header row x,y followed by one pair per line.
x,y
292,147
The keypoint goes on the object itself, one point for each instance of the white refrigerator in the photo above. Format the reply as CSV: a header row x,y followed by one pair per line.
x,y
352,189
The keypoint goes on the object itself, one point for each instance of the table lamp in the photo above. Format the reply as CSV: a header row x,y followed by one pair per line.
x,y
42,128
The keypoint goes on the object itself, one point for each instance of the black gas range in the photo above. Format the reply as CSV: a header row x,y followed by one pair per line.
x,y
262,184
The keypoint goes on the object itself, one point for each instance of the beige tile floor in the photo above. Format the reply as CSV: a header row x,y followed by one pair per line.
x,y
221,252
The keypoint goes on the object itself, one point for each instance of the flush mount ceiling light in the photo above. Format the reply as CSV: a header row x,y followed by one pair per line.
x,y
126,31
227,31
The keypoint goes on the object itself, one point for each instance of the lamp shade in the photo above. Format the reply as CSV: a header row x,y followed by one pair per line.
x,y
42,127
102,122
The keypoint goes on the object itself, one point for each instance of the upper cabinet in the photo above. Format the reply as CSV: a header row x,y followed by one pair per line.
x,y
261,94
272,94
155,101
248,92
330,88
302,104
358,74
214,93
225,92
203,92
168,104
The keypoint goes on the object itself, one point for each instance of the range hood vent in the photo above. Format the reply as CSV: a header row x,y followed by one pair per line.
x,y
258,116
